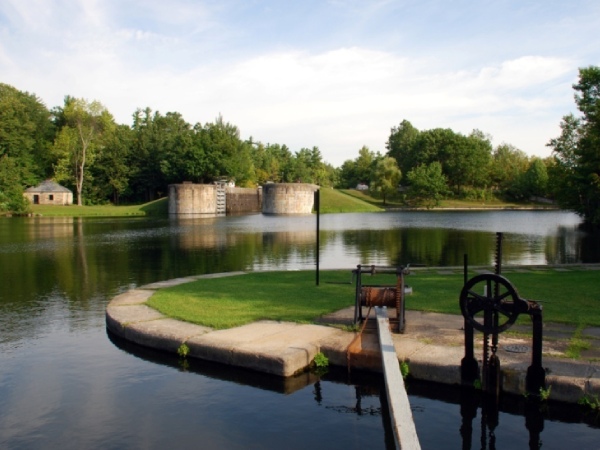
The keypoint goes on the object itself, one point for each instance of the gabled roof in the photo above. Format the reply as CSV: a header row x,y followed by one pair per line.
x,y
48,186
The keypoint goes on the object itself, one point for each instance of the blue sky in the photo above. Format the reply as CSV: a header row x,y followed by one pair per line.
x,y
335,74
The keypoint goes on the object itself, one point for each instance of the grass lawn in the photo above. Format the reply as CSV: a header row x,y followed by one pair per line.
x,y
157,207
338,201
332,201
395,203
568,297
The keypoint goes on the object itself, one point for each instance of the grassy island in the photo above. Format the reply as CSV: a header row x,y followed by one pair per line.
x,y
567,296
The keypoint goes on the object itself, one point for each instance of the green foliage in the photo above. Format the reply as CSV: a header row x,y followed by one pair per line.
x,y
506,166
428,185
183,350
26,133
321,361
79,141
11,192
591,402
545,393
320,364
386,177
575,175
359,170
79,145
404,369
464,160
401,145
477,194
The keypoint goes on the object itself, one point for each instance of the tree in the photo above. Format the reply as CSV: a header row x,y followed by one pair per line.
x,y
535,180
146,176
464,159
80,140
576,170
386,177
227,155
112,169
26,134
401,145
428,185
506,166
11,190
359,170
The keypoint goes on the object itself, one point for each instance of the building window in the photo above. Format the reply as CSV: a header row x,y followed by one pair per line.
x,y
51,197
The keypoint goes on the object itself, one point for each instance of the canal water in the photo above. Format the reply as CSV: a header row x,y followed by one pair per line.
x,y
65,383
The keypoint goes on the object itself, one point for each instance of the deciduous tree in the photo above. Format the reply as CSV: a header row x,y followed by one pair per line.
x,y
80,139
427,185
576,172
386,177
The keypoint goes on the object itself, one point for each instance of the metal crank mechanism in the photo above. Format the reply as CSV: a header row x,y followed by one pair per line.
x,y
486,297
490,304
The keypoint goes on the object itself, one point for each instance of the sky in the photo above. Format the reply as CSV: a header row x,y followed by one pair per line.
x,y
335,74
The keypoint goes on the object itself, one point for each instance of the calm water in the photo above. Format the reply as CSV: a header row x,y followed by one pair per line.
x,y
65,383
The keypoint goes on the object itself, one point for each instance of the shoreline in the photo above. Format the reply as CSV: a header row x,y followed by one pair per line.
x,y
431,345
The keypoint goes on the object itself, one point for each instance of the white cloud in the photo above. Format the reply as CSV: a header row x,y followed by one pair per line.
x,y
285,85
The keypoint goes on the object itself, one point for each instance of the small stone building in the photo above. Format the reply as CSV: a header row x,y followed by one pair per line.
x,y
49,193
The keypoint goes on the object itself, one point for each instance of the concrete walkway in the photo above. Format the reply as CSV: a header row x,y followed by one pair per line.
x,y
432,345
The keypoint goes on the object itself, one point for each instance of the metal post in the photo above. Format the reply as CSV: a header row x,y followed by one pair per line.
x,y
318,210
536,374
469,369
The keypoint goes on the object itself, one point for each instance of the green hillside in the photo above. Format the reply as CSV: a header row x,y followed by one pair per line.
x,y
337,201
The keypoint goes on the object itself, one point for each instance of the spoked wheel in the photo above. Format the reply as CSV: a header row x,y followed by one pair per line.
x,y
492,294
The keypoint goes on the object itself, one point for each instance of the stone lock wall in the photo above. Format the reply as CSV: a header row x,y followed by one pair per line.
x,y
243,200
288,198
272,198
189,198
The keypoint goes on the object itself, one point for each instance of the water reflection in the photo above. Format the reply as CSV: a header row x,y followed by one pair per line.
x,y
367,399
84,261
63,384
464,418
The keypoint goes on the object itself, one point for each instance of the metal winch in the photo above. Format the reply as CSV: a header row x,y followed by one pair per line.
x,y
491,304
391,296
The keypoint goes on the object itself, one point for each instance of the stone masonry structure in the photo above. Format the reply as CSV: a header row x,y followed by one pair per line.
x,y
49,193
288,198
272,198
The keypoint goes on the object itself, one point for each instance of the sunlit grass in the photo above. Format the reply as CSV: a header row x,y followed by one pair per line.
x,y
157,207
233,301
567,297
338,201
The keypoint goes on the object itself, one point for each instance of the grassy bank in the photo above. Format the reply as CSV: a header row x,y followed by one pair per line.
x,y
493,203
155,208
332,201
338,201
571,297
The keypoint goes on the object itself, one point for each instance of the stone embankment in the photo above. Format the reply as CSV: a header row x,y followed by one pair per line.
x,y
432,345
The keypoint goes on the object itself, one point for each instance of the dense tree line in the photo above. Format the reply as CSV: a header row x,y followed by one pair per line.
x,y
80,145
576,169
436,164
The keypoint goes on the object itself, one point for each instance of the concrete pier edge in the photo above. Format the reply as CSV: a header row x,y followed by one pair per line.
x,y
284,349
403,424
